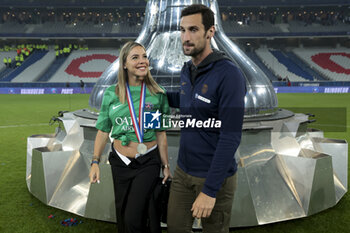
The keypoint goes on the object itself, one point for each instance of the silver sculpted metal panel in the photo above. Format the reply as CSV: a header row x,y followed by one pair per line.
x,y
281,176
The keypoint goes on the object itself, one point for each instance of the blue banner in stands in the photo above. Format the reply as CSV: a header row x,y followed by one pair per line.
x,y
39,91
87,90
312,89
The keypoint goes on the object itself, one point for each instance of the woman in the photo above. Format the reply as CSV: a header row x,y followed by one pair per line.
x,y
137,154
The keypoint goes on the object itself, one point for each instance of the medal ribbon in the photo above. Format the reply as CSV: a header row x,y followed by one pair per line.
x,y
137,124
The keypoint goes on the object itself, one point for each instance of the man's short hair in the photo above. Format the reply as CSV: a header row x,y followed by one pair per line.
x,y
206,12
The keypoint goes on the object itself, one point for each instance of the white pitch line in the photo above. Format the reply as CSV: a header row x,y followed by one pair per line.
x,y
18,126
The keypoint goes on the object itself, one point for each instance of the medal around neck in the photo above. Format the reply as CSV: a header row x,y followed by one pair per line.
x,y
137,123
141,148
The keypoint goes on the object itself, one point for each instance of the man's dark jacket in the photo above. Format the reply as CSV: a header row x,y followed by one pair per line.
x,y
213,90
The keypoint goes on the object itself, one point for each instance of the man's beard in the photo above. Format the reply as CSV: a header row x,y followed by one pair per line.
x,y
194,52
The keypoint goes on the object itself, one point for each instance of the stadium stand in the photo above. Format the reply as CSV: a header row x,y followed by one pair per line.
x,y
286,21
86,65
73,3
61,27
37,69
332,63
280,2
138,3
118,20
280,70
253,27
304,66
6,55
236,21
291,66
52,69
295,26
262,66
35,56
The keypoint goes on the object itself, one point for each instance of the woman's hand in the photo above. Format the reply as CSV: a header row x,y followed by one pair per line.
x,y
100,143
163,151
94,173
166,174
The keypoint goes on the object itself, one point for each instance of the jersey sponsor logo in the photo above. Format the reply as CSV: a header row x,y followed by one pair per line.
x,y
124,122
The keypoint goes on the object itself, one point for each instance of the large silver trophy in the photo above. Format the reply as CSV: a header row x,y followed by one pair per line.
x,y
286,170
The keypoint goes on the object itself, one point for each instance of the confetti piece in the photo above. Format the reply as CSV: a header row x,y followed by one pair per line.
x,y
70,222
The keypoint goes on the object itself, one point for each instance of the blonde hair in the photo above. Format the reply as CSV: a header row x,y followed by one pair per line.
x,y
151,84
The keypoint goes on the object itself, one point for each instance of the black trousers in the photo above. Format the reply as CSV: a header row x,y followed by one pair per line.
x,y
133,189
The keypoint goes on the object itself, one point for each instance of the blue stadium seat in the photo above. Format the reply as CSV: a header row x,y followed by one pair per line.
x,y
291,66
52,69
257,61
35,56
304,66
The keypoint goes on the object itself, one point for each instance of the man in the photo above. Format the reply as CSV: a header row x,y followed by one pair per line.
x,y
5,61
212,87
82,87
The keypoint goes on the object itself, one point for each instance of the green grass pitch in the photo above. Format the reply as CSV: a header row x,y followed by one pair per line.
x,y
24,115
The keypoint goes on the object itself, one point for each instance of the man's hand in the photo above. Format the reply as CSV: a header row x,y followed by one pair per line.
x,y
202,206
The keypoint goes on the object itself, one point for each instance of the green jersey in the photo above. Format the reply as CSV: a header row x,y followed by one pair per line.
x,y
115,116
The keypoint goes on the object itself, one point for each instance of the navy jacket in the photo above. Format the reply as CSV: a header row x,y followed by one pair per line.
x,y
217,92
